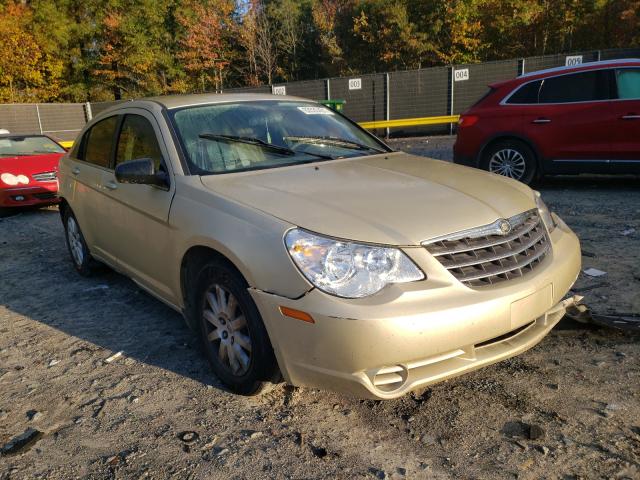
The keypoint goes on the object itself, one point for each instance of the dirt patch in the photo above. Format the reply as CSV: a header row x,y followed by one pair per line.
x,y
569,408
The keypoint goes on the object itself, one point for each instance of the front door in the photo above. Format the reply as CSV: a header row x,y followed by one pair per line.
x,y
138,215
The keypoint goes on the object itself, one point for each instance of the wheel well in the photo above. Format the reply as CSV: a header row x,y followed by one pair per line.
x,y
194,257
62,207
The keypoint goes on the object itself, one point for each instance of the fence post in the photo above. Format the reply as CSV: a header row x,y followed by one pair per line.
x,y
87,112
387,116
520,67
599,55
327,84
39,120
452,71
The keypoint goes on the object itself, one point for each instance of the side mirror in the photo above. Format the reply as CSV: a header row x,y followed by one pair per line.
x,y
140,171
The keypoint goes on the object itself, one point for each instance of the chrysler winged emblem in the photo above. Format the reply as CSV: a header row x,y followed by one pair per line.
x,y
504,226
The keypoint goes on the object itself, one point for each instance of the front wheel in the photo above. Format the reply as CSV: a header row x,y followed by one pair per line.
x,y
512,159
234,338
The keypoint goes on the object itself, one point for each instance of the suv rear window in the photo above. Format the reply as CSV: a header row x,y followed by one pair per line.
x,y
575,87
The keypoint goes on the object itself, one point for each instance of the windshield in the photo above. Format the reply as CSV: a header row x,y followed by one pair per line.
x,y
231,137
25,145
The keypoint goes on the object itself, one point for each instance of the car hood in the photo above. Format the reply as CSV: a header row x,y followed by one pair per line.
x,y
30,164
393,199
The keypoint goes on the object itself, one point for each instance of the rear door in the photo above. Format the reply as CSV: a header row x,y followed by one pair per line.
x,y
625,137
137,216
571,121
84,176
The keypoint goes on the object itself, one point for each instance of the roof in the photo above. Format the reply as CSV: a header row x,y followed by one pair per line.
x,y
177,101
586,65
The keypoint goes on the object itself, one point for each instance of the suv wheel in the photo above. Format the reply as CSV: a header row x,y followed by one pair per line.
x,y
233,335
512,159
76,244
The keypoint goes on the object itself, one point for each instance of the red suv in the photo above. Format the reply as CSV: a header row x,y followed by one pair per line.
x,y
563,120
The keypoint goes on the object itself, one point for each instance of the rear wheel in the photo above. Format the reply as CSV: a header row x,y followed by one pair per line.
x,y
76,244
233,335
511,158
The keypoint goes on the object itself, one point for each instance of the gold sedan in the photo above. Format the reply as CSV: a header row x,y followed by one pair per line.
x,y
296,244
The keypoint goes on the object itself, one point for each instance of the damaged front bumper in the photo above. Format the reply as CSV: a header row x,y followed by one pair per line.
x,y
389,344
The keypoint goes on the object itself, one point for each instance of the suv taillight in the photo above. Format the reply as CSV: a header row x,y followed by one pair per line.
x,y
467,120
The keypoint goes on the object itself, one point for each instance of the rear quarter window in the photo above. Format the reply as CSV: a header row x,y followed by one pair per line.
x,y
526,94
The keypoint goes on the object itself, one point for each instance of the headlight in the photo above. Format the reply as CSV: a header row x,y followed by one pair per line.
x,y
13,180
9,179
544,212
348,269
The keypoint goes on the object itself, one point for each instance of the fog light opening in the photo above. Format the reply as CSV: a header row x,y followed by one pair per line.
x,y
390,379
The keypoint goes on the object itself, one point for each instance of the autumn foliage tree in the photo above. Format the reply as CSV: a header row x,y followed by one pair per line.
x,y
204,48
80,50
27,71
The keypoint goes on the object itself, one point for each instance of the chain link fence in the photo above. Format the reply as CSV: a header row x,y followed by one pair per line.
x,y
428,92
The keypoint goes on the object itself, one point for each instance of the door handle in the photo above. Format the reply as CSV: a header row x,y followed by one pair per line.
x,y
631,116
75,170
111,185
541,120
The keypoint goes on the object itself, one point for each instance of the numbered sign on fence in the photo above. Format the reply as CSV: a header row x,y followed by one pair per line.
x,y
355,84
572,60
281,90
461,75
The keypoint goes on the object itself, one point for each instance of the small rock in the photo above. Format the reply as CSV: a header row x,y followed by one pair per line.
x,y
536,432
54,362
21,442
255,435
221,451
621,354
543,449
376,472
401,471
553,386
319,452
188,436
34,415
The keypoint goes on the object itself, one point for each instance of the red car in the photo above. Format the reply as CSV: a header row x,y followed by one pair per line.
x,y
563,120
28,170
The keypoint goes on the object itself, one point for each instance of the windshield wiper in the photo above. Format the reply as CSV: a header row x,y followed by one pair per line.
x,y
339,142
260,143
248,140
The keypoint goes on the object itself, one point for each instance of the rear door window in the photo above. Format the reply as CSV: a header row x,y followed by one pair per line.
x,y
628,80
99,141
576,87
138,140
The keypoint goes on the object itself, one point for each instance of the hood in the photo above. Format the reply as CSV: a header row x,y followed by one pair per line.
x,y
30,164
394,199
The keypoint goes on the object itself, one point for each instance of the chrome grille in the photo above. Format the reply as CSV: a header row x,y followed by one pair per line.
x,y
45,177
493,253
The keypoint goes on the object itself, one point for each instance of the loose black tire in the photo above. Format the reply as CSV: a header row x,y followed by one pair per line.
x,y
511,158
76,244
262,367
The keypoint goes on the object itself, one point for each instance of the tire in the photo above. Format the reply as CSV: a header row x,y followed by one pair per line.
x,y
78,250
234,338
511,158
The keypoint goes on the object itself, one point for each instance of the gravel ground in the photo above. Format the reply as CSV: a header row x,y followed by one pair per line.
x,y
567,409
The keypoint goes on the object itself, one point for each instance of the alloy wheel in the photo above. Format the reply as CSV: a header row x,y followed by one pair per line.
x,y
508,162
227,330
75,241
